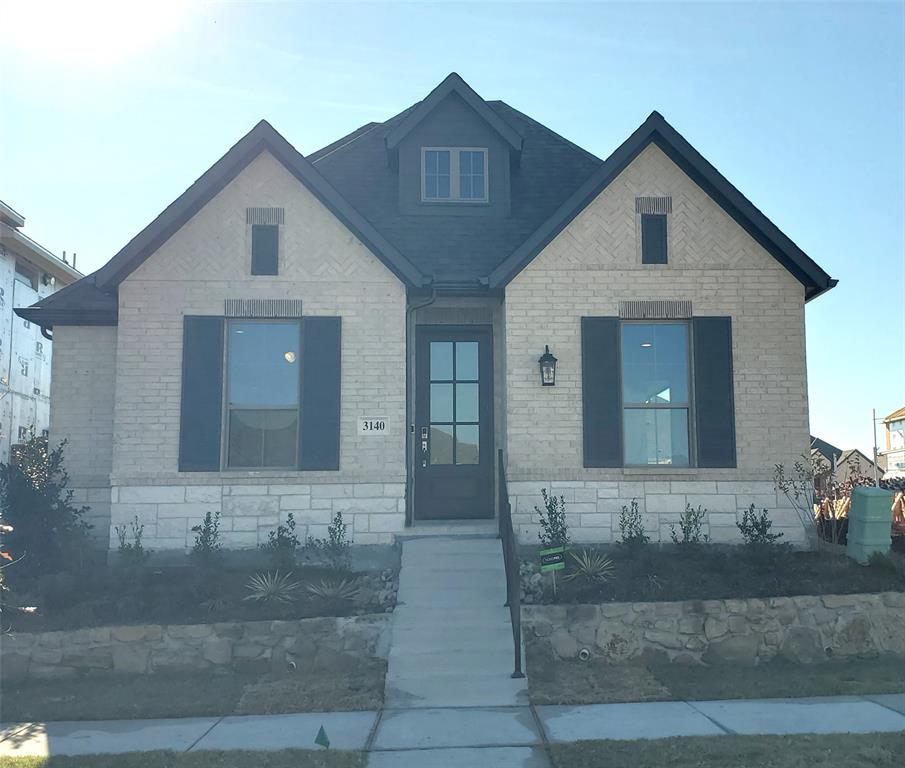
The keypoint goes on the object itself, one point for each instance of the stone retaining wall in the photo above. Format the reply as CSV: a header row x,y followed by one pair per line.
x,y
804,628
325,643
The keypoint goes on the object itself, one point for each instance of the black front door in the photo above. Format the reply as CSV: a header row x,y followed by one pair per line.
x,y
453,422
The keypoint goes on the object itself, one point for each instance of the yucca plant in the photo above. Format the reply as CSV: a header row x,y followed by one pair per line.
x,y
590,566
272,587
334,590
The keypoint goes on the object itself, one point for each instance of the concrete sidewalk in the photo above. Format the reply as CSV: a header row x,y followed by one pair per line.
x,y
501,737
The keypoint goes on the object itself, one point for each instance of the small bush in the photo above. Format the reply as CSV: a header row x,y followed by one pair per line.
x,y
755,528
590,567
207,549
334,590
131,553
46,527
334,550
691,524
554,531
282,544
272,588
631,527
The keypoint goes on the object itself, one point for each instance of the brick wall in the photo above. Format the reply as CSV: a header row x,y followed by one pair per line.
x,y
81,412
587,269
204,263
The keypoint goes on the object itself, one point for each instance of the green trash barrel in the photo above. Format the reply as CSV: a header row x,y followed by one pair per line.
x,y
869,523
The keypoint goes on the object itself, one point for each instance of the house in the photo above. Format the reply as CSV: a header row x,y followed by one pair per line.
x,y
28,272
893,455
842,467
359,331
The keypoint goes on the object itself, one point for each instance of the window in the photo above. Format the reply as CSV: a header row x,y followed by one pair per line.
x,y
454,175
454,402
265,249
26,275
263,381
653,238
655,393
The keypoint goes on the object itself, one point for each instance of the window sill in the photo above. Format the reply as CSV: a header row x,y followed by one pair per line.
x,y
684,471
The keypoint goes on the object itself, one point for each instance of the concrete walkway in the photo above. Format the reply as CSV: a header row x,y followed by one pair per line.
x,y
452,640
471,737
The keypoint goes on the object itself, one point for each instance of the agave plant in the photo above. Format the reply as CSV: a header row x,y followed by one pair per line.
x,y
272,587
334,590
591,566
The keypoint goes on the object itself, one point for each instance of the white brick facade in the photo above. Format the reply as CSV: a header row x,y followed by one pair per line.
x,y
586,271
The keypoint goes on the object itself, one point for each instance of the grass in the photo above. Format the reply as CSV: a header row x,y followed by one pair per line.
x,y
710,572
596,682
186,594
289,758
193,694
872,750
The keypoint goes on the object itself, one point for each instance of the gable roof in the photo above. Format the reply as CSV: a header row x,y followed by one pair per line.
x,y
93,299
456,250
656,130
825,449
895,415
551,184
452,83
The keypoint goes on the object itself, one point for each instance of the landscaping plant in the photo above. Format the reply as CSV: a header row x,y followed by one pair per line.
x,y
272,587
131,553
207,549
334,590
282,544
334,550
631,527
755,528
690,524
45,526
554,531
590,567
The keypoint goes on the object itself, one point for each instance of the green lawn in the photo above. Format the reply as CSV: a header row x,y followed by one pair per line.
x,y
290,758
193,694
596,682
873,750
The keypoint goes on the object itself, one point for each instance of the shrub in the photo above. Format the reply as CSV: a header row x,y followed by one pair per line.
x,y
131,553
755,529
631,527
334,550
590,567
334,590
207,549
35,501
272,588
282,544
554,531
690,523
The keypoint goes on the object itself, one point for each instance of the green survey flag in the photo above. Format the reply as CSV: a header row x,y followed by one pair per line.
x,y
321,738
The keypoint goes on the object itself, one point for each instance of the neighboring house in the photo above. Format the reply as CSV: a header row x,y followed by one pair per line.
x,y
28,272
893,456
359,331
835,466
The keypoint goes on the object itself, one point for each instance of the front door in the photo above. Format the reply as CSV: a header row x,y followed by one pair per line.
x,y
453,422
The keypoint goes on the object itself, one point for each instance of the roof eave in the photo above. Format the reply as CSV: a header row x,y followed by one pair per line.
x,y
48,318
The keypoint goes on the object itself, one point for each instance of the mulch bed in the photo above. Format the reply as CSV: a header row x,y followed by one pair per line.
x,y
667,573
101,595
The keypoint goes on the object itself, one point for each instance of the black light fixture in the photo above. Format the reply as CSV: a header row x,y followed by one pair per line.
x,y
547,368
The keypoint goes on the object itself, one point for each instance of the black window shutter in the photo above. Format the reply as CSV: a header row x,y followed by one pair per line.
x,y
265,249
321,383
202,394
601,396
653,238
714,400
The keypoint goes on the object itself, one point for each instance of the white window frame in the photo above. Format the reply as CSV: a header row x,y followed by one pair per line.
x,y
454,176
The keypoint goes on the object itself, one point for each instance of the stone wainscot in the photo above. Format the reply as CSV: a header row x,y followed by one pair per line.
x,y
330,643
804,628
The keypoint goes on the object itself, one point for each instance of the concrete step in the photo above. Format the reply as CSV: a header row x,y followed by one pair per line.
x,y
442,691
462,757
477,579
451,661
452,546
430,640
456,562
428,598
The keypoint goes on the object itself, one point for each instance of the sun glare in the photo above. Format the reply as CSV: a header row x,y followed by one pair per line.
x,y
94,32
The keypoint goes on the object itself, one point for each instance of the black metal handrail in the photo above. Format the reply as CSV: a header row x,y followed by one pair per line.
x,y
511,562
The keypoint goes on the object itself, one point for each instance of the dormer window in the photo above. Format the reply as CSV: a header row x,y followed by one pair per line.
x,y
453,175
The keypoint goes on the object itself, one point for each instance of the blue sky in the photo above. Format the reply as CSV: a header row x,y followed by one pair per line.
x,y
107,115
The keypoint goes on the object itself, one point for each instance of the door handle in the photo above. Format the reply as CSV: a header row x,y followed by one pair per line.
x,y
423,439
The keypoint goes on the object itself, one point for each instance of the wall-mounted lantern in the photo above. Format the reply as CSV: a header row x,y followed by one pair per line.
x,y
547,368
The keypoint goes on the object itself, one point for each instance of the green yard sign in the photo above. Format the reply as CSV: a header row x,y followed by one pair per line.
x,y
552,559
